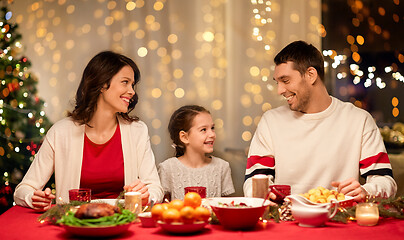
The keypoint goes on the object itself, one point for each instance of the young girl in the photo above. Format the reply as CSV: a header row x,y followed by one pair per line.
x,y
98,146
193,133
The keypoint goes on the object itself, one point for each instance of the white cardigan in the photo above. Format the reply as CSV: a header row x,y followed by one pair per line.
x,y
62,152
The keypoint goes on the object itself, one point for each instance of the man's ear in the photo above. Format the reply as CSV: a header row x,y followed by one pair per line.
x,y
312,75
184,137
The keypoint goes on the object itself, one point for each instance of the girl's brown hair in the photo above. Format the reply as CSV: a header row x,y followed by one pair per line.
x,y
181,120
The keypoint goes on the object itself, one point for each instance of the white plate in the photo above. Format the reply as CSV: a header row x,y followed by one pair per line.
x,y
105,231
109,201
181,228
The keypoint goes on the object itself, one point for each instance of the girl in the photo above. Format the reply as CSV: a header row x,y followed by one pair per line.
x,y
193,133
98,146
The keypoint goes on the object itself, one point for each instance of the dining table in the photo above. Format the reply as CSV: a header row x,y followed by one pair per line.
x,y
22,223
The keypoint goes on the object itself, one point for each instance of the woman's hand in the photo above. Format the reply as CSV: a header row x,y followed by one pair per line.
x,y
42,200
138,186
350,187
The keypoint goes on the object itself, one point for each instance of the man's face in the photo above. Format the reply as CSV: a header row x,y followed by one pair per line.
x,y
293,86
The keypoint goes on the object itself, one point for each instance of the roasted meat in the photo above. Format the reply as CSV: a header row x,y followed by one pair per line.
x,y
96,210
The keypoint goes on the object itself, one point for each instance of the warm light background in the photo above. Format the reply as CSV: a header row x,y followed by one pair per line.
x,y
189,52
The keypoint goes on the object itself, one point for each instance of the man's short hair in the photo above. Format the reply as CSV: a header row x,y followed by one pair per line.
x,y
303,55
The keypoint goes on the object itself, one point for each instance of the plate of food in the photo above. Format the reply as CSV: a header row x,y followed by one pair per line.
x,y
182,216
96,220
182,228
107,231
321,195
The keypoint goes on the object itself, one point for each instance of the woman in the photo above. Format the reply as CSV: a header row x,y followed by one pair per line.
x,y
98,146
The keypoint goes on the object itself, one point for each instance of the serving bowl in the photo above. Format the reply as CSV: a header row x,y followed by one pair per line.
x,y
309,214
146,219
234,216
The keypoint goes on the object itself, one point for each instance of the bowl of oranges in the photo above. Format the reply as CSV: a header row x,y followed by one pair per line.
x,y
181,216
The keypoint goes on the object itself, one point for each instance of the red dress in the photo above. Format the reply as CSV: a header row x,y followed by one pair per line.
x,y
102,168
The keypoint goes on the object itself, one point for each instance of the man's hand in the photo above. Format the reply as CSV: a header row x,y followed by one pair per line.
x,y
350,187
42,200
138,186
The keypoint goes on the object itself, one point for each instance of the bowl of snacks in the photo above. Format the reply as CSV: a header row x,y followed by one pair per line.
x,y
146,219
321,195
181,216
238,212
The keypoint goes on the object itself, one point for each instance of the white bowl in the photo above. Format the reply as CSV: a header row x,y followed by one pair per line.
x,y
109,201
146,219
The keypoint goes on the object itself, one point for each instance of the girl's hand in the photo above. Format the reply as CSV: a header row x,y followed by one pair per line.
x,y
42,200
138,186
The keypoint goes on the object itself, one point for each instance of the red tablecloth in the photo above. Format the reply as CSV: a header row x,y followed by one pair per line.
x,y
21,223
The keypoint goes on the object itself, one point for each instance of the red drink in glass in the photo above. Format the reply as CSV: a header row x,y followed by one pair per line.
x,y
200,190
81,195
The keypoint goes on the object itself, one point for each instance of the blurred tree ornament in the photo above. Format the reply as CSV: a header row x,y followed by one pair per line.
x,y
20,111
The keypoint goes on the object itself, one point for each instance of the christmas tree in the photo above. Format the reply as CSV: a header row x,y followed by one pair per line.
x,y
23,123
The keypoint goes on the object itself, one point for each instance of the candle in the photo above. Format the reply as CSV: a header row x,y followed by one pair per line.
x,y
133,202
260,184
367,214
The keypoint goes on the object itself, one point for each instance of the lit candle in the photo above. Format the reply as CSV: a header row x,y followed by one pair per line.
x,y
133,202
367,214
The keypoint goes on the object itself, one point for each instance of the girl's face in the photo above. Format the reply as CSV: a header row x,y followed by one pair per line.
x,y
201,136
117,97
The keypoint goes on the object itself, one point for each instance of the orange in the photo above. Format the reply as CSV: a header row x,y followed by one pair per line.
x,y
165,206
171,215
192,199
157,211
202,214
176,204
187,214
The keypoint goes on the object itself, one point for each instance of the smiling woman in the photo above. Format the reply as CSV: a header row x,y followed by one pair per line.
x,y
99,132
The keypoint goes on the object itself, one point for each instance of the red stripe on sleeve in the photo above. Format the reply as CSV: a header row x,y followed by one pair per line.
x,y
265,161
382,157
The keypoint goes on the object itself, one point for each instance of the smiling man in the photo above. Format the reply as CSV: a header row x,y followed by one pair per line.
x,y
317,140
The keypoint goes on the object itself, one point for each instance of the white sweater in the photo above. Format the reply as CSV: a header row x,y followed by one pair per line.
x,y
216,177
311,150
62,152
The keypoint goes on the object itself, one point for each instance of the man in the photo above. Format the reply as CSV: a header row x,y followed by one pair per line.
x,y
318,140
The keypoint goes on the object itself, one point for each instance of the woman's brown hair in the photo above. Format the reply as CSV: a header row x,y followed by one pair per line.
x,y
98,73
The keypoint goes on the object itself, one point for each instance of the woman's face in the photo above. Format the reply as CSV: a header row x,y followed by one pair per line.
x,y
121,90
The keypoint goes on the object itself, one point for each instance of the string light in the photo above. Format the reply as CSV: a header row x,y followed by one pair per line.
x,y
261,11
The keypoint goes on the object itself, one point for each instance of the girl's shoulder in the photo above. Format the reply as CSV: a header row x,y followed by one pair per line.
x,y
169,161
219,162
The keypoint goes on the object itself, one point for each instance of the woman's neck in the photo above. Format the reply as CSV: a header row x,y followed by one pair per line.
x,y
194,160
103,126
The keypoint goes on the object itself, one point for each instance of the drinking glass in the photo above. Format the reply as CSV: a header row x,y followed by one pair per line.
x,y
80,194
200,190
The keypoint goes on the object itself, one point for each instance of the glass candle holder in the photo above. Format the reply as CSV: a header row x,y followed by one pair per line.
x,y
133,202
80,194
200,190
367,214
260,183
